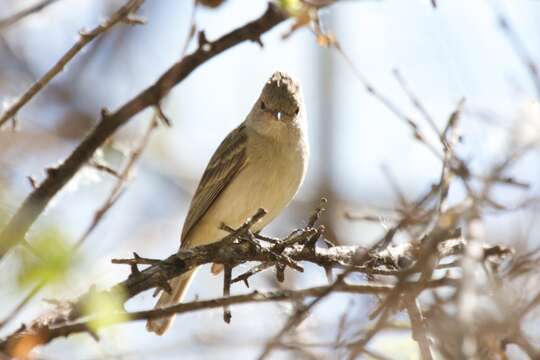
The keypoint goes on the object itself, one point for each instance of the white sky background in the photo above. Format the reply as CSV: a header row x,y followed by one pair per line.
x,y
455,51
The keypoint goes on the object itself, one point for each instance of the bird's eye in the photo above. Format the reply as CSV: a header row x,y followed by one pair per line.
x,y
263,106
296,111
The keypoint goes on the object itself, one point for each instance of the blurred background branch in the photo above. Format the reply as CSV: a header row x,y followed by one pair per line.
x,y
10,20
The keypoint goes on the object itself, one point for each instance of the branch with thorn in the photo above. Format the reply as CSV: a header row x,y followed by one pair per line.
x,y
239,247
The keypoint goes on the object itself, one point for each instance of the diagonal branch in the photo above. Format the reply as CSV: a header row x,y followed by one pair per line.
x,y
57,177
419,331
10,20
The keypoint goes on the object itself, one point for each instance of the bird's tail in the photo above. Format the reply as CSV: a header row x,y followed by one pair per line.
x,y
179,287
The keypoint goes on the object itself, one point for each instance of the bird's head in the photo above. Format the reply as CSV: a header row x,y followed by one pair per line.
x,y
279,107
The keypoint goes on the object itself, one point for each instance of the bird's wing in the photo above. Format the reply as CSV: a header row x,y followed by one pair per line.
x,y
229,158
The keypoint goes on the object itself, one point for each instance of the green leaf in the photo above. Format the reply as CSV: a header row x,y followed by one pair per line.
x,y
291,6
104,309
50,260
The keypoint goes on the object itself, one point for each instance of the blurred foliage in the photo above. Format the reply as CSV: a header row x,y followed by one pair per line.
x,y
3,201
49,260
108,308
291,6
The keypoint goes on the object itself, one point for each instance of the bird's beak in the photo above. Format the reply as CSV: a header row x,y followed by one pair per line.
x,y
278,115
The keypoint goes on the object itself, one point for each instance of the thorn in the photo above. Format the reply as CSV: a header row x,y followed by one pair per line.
x,y
103,167
280,273
105,113
134,269
329,274
227,316
258,40
164,284
246,282
51,171
14,123
227,273
204,44
226,227
92,333
85,33
32,181
317,213
133,19
312,241
162,116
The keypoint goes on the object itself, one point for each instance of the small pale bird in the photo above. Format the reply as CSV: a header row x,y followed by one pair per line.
x,y
260,164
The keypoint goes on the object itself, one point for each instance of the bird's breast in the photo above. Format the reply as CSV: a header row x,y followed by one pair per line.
x,y
269,180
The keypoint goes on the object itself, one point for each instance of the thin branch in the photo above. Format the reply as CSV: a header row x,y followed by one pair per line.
x,y
361,256
122,178
359,346
85,38
10,20
43,333
519,49
415,101
372,90
419,332
31,294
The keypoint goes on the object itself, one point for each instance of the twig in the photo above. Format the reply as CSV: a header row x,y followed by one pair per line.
x,y
359,346
419,332
35,290
192,26
298,316
372,90
519,49
85,38
314,218
227,292
416,101
121,180
254,270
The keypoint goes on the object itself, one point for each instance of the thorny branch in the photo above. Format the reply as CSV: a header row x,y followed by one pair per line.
x,y
237,248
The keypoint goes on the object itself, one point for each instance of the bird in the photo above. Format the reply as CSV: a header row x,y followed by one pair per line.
x,y
260,164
